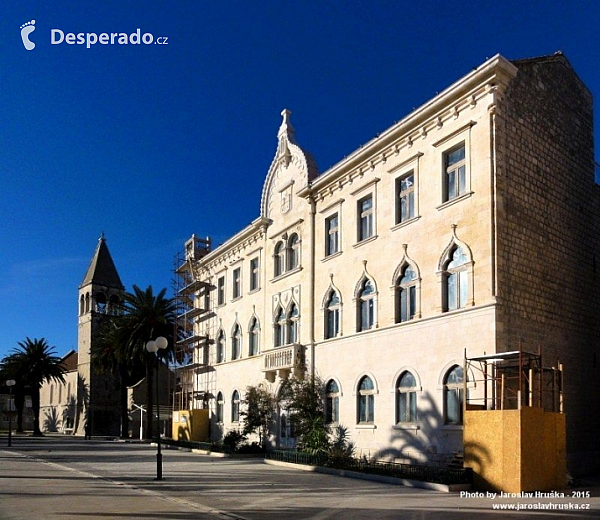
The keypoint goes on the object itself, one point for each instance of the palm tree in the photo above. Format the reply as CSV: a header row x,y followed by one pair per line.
x,y
146,316
109,355
35,362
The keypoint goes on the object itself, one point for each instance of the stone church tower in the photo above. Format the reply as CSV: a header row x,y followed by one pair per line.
x,y
100,296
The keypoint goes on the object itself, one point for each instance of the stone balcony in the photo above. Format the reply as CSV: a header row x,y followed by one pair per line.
x,y
283,361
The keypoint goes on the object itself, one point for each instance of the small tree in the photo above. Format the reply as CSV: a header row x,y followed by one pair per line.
x,y
304,400
258,415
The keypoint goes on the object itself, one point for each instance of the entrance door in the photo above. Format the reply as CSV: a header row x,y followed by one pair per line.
x,y
287,440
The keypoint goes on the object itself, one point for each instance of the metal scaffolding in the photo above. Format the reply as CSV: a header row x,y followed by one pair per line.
x,y
192,298
515,379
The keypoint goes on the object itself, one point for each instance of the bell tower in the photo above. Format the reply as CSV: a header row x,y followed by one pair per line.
x,y
100,297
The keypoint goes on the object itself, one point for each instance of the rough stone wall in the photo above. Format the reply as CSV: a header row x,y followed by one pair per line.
x,y
548,237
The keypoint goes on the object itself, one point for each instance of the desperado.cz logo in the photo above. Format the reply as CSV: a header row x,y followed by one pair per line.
x,y
57,37
135,38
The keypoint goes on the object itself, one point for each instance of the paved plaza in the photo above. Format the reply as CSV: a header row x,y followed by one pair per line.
x,y
64,477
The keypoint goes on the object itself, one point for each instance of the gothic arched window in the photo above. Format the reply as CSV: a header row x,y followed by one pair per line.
x,y
292,324
332,315
366,306
236,342
406,295
253,337
406,398
456,287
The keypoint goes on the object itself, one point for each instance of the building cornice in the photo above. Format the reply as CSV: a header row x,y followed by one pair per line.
x,y
236,244
465,93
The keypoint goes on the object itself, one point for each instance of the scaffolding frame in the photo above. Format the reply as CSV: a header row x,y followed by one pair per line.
x,y
192,301
514,379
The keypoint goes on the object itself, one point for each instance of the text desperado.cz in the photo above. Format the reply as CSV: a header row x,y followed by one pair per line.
x,y
135,38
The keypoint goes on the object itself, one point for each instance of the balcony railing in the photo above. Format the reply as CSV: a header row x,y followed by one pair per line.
x,y
283,358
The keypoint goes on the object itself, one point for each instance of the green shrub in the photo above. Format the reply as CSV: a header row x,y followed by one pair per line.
x,y
232,440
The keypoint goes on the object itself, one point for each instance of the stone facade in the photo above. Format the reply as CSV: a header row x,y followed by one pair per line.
x,y
468,228
58,401
88,396
549,236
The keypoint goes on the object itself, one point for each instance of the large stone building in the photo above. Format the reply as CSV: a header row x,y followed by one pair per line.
x,y
470,227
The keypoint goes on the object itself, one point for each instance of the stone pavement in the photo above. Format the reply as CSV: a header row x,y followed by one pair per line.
x,y
64,477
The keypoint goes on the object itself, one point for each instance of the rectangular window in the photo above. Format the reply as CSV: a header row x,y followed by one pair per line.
x,y
365,218
457,290
455,173
366,405
332,409
408,303
254,274
332,231
221,290
333,322
454,406
407,407
367,314
237,282
405,198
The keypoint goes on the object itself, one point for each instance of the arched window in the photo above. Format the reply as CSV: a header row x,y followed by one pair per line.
x,y
236,342
235,407
332,402
453,395
101,302
81,305
51,393
253,337
278,258
279,328
292,324
366,306
87,302
406,398
220,407
366,401
456,286
114,305
221,347
293,252
406,295
332,315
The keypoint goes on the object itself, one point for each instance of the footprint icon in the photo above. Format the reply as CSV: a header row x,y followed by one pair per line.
x,y
26,30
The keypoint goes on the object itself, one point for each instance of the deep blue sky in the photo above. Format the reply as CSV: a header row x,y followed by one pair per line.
x,y
151,143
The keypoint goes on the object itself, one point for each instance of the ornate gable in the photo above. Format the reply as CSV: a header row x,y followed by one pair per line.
x,y
291,169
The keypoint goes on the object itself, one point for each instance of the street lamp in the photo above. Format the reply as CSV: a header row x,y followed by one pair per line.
x,y
10,383
153,346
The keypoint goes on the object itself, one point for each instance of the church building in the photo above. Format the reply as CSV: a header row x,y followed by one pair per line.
x,y
88,398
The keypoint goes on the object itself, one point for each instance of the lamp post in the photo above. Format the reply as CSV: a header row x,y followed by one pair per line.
x,y
10,383
153,346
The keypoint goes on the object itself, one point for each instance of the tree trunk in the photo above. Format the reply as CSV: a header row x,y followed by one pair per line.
x,y
123,378
149,400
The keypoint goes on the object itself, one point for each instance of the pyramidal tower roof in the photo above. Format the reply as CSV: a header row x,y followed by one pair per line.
x,y
102,269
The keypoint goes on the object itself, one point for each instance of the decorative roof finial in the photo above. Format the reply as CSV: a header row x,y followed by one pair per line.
x,y
286,127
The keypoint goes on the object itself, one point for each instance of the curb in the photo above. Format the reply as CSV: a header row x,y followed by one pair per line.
x,y
445,488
